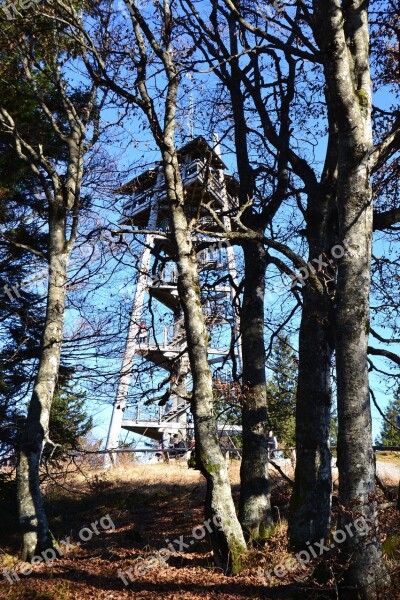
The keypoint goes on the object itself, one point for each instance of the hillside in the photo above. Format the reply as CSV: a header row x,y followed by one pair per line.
x,y
131,513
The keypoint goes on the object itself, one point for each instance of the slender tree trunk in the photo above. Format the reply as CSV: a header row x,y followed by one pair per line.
x,y
255,505
227,540
32,517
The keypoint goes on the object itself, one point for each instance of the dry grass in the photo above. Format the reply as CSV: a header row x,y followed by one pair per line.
x,y
152,474
177,472
389,457
154,478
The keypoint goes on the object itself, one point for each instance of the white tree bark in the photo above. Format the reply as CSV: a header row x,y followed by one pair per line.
x,y
228,542
32,516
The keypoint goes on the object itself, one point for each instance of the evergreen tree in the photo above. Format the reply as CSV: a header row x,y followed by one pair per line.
x,y
69,421
281,391
390,433
21,309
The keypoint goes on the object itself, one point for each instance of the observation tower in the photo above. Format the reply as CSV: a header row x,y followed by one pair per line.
x,y
162,345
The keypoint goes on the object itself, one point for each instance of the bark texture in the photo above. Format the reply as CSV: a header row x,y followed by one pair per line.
x,y
57,166
255,502
310,507
62,192
355,454
227,540
255,506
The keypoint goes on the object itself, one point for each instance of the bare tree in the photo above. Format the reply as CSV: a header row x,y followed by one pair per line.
x,y
341,30
268,100
154,57
69,115
294,43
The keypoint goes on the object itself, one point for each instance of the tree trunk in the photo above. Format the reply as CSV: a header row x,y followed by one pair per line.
x,y
344,41
255,506
227,540
310,505
32,517
355,454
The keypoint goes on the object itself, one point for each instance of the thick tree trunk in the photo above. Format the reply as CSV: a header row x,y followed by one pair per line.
x,y
344,40
356,463
227,540
32,517
255,506
310,505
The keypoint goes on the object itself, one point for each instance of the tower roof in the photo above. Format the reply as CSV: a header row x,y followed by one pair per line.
x,y
202,147
197,148
145,179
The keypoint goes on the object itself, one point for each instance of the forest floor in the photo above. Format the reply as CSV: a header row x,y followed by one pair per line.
x,y
131,512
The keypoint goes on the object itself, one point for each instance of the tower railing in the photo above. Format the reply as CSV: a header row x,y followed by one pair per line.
x,y
169,338
147,413
154,413
197,169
